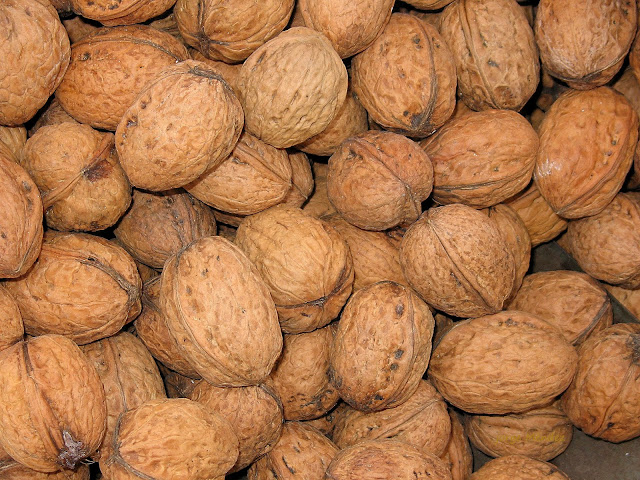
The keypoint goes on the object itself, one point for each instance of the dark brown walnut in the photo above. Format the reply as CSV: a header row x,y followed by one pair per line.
x,y
300,378
185,121
319,204
109,69
81,286
542,223
587,141
495,53
301,180
305,263
327,422
53,411
254,412
376,255
422,421
630,299
11,328
16,471
129,376
176,385
509,362
21,221
292,87
458,261
76,168
350,26
254,177
482,158
301,452
563,28
572,301
382,347
520,467
220,313
604,398
52,115
607,245
228,72
158,225
28,79
458,455
166,439
122,12
541,433
386,459
14,138
378,180
78,27
406,79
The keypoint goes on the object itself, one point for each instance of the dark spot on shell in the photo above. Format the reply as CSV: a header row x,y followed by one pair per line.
x,y
614,142
204,272
405,113
378,397
189,291
143,105
290,468
610,424
398,354
394,367
26,186
3,235
491,63
399,309
99,171
510,322
131,123
634,344
91,259
72,453
85,56
217,258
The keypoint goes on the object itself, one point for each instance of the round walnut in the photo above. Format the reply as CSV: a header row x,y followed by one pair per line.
x,y
254,412
52,115
11,328
14,138
587,141
495,53
304,262
165,439
76,168
16,471
386,459
292,87
300,377
319,204
302,182
35,54
458,455
604,399
254,177
422,421
520,467
109,69
572,301
406,79
378,180
482,158
53,412
350,26
458,261
220,313
123,12
382,347
81,286
158,225
509,362
563,28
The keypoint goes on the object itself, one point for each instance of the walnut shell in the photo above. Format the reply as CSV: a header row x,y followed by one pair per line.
x,y
458,261
572,301
254,412
11,328
495,53
604,399
382,347
28,79
177,385
328,421
52,115
509,362
428,4
406,79
16,471
81,286
587,141
630,299
292,87
520,467
53,411
78,27
167,439
563,28
123,12
319,204
458,455
300,378
220,313
302,182
627,84
109,69
304,262
14,138
228,72
158,225
482,158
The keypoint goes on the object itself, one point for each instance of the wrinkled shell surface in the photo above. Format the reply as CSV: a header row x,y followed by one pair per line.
x,y
11,328
630,299
520,467
16,471
123,12
301,179
52,115
14,138
177,385
458,455
319,204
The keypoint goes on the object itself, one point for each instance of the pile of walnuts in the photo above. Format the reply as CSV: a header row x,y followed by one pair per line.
x,y
292,238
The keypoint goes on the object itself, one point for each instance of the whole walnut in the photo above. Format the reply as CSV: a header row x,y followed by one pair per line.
x,y
382,347
508,362
458,455
304,262
406,79
587,142
458,261
76,168
292,87
520,467
14,138
53,411
123,12
11,328
604,399
81,286
35,55
564,27
160,224
16,471
482,158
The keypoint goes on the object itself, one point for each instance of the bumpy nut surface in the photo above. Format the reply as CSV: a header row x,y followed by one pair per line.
x,y
14,138
12,329
124,12
301,179
458,455
520,467
15,471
